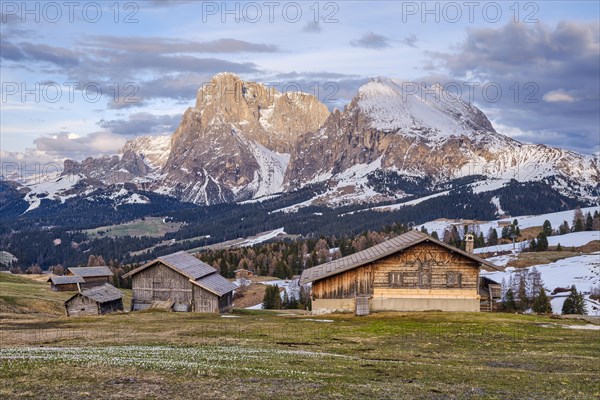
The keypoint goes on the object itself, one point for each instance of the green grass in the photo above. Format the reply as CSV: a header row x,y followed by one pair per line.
x,y
265,355
255,354
150,226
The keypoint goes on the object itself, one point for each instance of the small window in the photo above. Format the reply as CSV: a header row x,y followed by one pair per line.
x,y
453,279
395,279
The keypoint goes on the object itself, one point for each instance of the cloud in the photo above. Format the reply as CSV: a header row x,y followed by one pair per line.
x,y
371,41
410,40
312,27
142,123
558,96
162,45
64,145
548,77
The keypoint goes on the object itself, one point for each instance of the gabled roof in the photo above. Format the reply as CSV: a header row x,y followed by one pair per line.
x,y
65,280
377,252
101,294
216,284
87,272
182,262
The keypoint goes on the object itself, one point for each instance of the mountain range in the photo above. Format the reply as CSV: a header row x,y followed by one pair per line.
x,y
394,142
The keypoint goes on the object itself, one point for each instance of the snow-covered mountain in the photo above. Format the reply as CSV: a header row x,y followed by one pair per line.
x,y
396,139
394,132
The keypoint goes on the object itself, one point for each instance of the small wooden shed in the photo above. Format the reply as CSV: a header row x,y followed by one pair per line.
x,y
65,283
185,282
95,301
92,276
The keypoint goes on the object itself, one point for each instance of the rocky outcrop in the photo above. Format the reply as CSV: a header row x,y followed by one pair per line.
x,y
234,144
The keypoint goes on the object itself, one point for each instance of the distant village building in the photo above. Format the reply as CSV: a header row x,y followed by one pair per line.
x,y
95,301
185,282
65,283
92,276
411,272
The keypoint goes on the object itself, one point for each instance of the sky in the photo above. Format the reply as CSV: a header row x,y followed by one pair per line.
x,y
81,78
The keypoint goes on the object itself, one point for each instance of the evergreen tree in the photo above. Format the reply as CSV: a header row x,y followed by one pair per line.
x,y
541,303
589,222
547,228
542,242
272,299
558,247
564,228
522,292
434,235
509,303
578,220
492,237
574,303
532,245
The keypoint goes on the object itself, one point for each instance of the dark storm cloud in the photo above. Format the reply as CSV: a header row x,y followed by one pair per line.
x,y
371,41
549,79
142,123
168,45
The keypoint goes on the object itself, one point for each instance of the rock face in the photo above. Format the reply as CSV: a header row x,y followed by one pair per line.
x,y
235,143
400,129
243,140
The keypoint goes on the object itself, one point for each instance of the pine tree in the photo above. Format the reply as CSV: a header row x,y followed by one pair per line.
x,y
564,228
547,228
272,299
541,242
522,292
589,222
509,302
558,247
578,220
541,303
492,237
533,245
434,235
574,303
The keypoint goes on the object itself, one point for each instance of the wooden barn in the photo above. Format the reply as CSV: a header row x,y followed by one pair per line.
x,y
98,300
92,276
65,283
185,282
411,272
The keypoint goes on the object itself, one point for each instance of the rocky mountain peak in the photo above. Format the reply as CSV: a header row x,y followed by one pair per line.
x,y
235,143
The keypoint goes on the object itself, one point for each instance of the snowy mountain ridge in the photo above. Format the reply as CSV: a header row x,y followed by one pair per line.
x,y
244,140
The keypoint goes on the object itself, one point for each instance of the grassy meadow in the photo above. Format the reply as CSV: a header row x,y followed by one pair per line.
x,y
265,355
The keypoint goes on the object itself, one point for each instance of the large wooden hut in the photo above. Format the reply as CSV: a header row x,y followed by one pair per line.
x,y
411,272
97,300
92,276
182,282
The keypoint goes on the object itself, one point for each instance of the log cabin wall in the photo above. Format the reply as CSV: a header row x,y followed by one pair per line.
x,y
424,277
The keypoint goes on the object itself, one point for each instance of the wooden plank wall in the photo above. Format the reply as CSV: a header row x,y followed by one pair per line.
x,y
424,266
205,301
80,305
159,282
